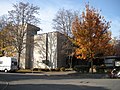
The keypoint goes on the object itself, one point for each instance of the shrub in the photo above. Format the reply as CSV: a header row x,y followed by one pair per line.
x,y
62,69
52,70
81,68
57,69
35,69
46,69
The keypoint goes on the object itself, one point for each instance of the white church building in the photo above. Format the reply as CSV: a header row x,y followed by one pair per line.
x,y
47,50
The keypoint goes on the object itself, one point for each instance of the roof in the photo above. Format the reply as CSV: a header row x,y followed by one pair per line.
x,y
32,27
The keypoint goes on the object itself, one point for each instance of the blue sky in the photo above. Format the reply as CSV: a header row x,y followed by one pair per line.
x,y
48,9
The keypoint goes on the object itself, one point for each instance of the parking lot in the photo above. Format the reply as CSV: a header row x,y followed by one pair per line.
x,y
56,81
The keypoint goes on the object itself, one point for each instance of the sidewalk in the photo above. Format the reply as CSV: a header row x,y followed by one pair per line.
x,y
72,74
50,73
60,73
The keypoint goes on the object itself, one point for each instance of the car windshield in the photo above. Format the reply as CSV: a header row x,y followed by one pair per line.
x,y
14,63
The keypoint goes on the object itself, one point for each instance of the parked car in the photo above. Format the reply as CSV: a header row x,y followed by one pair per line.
x,y
8,64
115,73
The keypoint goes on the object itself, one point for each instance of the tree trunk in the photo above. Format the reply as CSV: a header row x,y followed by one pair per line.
x,y
91,66
19,54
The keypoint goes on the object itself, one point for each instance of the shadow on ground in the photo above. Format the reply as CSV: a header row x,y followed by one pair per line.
x,y
52,87
89,75
2,85
17,76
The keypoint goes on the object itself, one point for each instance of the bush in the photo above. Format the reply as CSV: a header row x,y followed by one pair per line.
x,y
81,68
46,69
62,69
57,69
52,70
35,69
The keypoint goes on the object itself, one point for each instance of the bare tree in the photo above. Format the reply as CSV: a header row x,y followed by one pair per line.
x,y
3,22
22,14
63,23
117,48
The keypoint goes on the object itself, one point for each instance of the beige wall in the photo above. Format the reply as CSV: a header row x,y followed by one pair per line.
x,y
48,46
27,53
55,50
39,52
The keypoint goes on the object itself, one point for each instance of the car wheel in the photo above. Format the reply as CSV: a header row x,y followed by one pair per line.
x,y
6,70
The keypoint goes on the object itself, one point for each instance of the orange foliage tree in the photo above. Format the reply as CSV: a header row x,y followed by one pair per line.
x,y
6,41
91,34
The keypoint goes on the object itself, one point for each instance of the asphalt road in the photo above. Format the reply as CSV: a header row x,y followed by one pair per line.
x,y
42,81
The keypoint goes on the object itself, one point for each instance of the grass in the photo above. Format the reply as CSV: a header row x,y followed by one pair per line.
x,y
27,71
42,70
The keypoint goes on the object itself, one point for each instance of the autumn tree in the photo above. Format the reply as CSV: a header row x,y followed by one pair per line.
x,y
91,35
6,47
19,17
2,39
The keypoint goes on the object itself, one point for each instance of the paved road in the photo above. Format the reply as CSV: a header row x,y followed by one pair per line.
x,y
49,81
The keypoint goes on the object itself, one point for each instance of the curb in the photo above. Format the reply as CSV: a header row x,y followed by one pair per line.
x,y
72,74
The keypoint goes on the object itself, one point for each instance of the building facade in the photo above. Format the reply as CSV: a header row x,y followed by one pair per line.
x,y
47,50
27,52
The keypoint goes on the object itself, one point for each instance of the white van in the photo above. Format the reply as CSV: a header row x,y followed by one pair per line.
x,y
8,64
